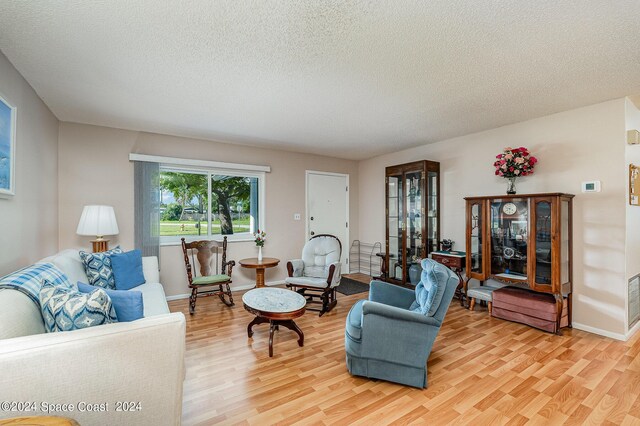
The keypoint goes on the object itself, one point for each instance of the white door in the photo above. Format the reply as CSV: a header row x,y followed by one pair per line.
x,y
328,208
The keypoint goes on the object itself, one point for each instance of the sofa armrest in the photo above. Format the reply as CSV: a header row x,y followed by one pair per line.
x,y
389,294
140,362
150,269
334,274
295,267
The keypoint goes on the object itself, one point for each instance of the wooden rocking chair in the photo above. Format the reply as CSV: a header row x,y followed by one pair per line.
x,y
205,252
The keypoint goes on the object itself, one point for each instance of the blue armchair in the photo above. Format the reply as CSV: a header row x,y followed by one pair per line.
x,y
390,336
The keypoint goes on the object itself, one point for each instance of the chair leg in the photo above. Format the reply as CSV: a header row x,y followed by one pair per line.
x,y
328,301
222,293
472,304
192,301
489,305
230,295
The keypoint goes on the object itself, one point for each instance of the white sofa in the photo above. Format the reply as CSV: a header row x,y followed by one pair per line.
x,y
108,368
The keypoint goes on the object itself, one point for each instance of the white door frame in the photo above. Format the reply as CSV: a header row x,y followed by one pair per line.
x,y
345,244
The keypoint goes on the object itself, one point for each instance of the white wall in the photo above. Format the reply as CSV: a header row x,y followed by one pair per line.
x,y
29,220
632,156
95,168
572,146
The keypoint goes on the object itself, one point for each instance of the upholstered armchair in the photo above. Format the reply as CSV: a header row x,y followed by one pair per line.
x,y
390,336
317,274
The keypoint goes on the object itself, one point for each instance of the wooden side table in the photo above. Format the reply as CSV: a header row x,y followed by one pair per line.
x,y
278,307
454,260
253,263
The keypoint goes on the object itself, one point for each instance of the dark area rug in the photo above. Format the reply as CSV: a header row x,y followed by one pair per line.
x,y
348,286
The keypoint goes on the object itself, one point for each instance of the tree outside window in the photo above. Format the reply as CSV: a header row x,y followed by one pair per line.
x,y
186,197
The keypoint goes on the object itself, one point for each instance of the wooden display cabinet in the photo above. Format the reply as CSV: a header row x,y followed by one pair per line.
x,y
412,217
522,240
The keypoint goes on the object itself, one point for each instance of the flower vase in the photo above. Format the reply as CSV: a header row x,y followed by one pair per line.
x,y
259,253
511,185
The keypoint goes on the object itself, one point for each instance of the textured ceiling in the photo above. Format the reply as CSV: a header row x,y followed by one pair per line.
x,y
350,79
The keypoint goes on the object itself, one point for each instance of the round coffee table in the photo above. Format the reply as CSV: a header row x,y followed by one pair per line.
x,y
259,266
276,306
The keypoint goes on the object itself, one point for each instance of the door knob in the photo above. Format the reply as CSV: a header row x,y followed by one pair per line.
x,y
311,217
313,233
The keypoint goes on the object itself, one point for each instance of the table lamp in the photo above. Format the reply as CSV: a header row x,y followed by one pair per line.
x,y
98,221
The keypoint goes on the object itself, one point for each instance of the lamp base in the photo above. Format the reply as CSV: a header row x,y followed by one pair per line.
x,y
100,245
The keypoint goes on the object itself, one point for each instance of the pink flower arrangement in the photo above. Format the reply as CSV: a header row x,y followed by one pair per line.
x,y
514,162
260,238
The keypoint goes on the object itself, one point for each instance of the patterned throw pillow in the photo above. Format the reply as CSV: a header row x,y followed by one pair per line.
x,y
98,268
66,309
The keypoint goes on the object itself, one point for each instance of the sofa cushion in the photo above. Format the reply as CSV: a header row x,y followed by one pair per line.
x,y
154,299
98,267
65,309
69,262
307,281
318,254
211,279
127,269
128,305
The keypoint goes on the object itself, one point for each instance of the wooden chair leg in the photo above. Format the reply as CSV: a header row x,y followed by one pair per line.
x,y
192,301
472,304
222,293
325,304
489,305
230,294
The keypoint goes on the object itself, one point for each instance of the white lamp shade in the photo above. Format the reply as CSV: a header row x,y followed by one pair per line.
x,y
98,221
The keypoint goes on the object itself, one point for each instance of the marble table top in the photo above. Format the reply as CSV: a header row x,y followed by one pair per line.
x,y
269,299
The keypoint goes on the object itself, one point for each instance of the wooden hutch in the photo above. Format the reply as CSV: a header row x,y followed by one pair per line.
x,y
522,240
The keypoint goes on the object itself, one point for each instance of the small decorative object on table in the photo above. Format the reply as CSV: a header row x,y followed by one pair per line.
x,y
447,244
260,238
513,163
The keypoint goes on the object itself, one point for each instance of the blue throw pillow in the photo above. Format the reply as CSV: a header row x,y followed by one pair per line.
x,y
98,267
65,309
127,269
129,305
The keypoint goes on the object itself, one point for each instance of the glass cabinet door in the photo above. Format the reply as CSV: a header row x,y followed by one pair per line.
x,y
394,243
432,213
475,238
414,217
509,232
565,241
544,248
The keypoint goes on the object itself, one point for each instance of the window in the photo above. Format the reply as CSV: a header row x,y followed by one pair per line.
x,y
199,203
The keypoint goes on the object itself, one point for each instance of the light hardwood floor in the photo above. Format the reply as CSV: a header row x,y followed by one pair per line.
x,y
481,371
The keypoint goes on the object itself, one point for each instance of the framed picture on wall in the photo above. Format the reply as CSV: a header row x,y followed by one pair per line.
x,y
7,148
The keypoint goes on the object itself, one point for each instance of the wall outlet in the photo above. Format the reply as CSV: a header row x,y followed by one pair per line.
x,y
296,216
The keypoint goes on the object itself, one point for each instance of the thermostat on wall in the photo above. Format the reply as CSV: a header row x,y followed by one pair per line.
x,y
591,186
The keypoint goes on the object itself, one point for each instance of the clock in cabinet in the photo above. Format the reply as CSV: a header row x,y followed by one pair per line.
x,y
522,240
412,218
